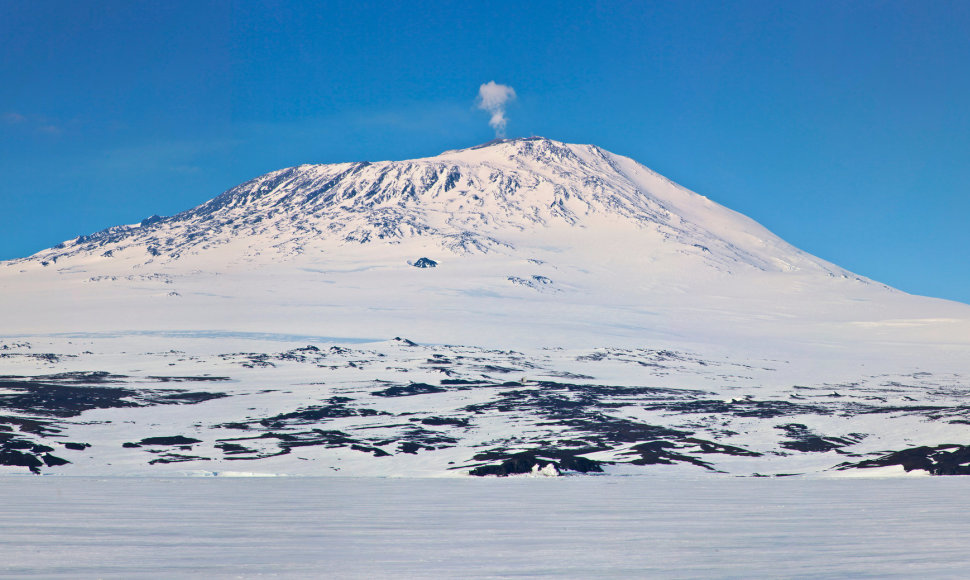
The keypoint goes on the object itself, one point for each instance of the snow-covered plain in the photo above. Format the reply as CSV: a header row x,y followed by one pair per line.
x,y
112,406
596,527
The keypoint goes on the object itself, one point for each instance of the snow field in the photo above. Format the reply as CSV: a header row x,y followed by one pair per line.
x,y
616,527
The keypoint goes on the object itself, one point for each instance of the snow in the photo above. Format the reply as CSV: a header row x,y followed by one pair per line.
x,y
201,374
432,528
565,263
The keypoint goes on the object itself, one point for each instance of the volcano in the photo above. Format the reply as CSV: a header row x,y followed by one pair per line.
x,y
535,240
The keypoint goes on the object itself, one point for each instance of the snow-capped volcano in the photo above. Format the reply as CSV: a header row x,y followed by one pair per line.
x,y
467,201
534,240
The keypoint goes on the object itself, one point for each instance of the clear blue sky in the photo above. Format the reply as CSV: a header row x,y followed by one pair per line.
x,y
844,127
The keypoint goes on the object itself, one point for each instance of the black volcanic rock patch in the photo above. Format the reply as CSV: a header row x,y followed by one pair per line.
x,y
535,459
75,446
54,400
579,464
16,451
705,446
169,440
425,263
74,393
519,463
376,451
946,459
410,447
234,448
805,441
663,452
176,458
605,430
17,458
42,427
335,408
408,390
440,421
308,415
53,460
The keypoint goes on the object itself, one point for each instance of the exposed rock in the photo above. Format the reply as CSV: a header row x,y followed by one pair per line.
x,y
171,440
946,459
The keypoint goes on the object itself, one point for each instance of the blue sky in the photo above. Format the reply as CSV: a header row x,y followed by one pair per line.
x,y
844,127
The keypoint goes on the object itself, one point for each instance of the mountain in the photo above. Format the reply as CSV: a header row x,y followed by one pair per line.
x,y
515,305
466,201
520,229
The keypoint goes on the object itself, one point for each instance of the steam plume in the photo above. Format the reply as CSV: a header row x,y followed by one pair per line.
x,y
492,97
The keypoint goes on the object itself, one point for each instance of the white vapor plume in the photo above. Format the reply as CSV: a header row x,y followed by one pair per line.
x,y
493,97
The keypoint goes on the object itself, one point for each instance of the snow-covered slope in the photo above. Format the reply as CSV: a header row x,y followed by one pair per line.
x,y
530,237
603,312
